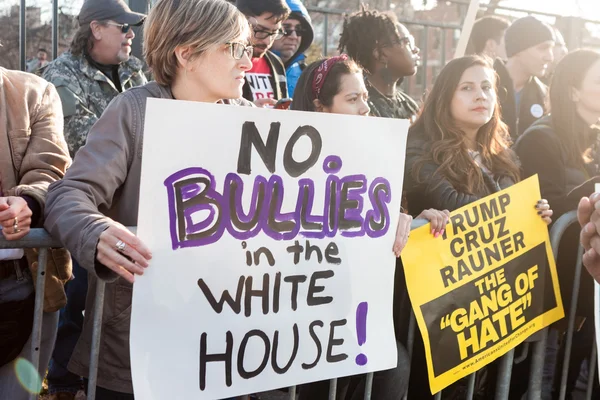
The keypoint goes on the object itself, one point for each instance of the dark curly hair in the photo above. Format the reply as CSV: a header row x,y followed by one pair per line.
x,y
366,30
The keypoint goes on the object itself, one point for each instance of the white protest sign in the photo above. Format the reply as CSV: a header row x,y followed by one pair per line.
x,y
271,233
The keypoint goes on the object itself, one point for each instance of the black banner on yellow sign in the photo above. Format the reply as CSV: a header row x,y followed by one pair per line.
x,y
485,285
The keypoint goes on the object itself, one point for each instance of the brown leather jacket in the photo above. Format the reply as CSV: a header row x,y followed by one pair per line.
x,y
33,154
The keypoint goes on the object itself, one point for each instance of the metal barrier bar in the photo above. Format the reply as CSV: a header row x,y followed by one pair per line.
x,y
325,34
443,44
571,325
38,315
410,342
534,391
54,29
424,55
98,311
332,389
22,37
538,355
592,371
368,386
36,238
292,391
504,375
471,386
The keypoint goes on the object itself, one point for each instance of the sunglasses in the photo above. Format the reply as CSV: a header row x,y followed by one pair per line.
x,y
289,31
124,27
238,49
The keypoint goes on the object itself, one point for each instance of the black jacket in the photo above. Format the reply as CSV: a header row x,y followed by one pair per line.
x,y
278,80
435,191
542,152
533,101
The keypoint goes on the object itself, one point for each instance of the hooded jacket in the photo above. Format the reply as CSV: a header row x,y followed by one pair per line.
x,y
296,64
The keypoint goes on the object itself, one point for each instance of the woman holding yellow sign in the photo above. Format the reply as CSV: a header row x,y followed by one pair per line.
x,y
458,152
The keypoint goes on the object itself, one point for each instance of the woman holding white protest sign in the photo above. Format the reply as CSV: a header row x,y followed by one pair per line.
x,y
198,51
336,85
569,137
458,152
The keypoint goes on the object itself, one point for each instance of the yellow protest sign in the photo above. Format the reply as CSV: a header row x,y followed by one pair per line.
x,y
485,285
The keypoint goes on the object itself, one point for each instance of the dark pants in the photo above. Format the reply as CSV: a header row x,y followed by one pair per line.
x,y
105,394
69,329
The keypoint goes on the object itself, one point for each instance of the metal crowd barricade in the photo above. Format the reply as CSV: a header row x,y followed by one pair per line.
x,y
39,238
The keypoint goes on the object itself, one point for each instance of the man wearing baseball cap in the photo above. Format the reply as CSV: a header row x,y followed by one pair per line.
x,y
529,43
98,67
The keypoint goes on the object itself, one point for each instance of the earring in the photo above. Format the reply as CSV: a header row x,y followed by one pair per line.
x,y
386,74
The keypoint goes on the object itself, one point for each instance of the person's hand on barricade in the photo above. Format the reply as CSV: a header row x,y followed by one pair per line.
x,y
544,211
123,252
402,233
265,102
438,220
15,217
588,215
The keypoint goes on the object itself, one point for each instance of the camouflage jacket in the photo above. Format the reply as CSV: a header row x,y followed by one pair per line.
x,y
85,92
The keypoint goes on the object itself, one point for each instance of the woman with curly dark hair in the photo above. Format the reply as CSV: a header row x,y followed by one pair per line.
x,y
386,51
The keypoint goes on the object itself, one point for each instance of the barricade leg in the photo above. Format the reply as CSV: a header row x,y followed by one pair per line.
x,y
412,326
292,392
332,389
592,372
538,354
504,375
368,386
571,326
471,386
36,333
98,311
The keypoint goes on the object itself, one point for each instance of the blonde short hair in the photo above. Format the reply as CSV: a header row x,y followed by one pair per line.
x,y
199,24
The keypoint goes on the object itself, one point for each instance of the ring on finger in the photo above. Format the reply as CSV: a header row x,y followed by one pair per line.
x,y
120,246
16,226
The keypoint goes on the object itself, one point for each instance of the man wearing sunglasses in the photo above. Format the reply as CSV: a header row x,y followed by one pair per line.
x,y
94,71
297,38
265,82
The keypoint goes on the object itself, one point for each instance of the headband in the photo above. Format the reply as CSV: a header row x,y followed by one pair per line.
x,y
321,73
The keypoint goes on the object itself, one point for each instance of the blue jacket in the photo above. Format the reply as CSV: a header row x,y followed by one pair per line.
x,y
295,65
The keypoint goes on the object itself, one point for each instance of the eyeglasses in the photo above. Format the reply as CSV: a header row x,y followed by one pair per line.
x,y
289,31
238,49
263,34
124,27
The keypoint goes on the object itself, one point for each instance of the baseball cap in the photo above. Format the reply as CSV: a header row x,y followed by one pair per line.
x,y
114,10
